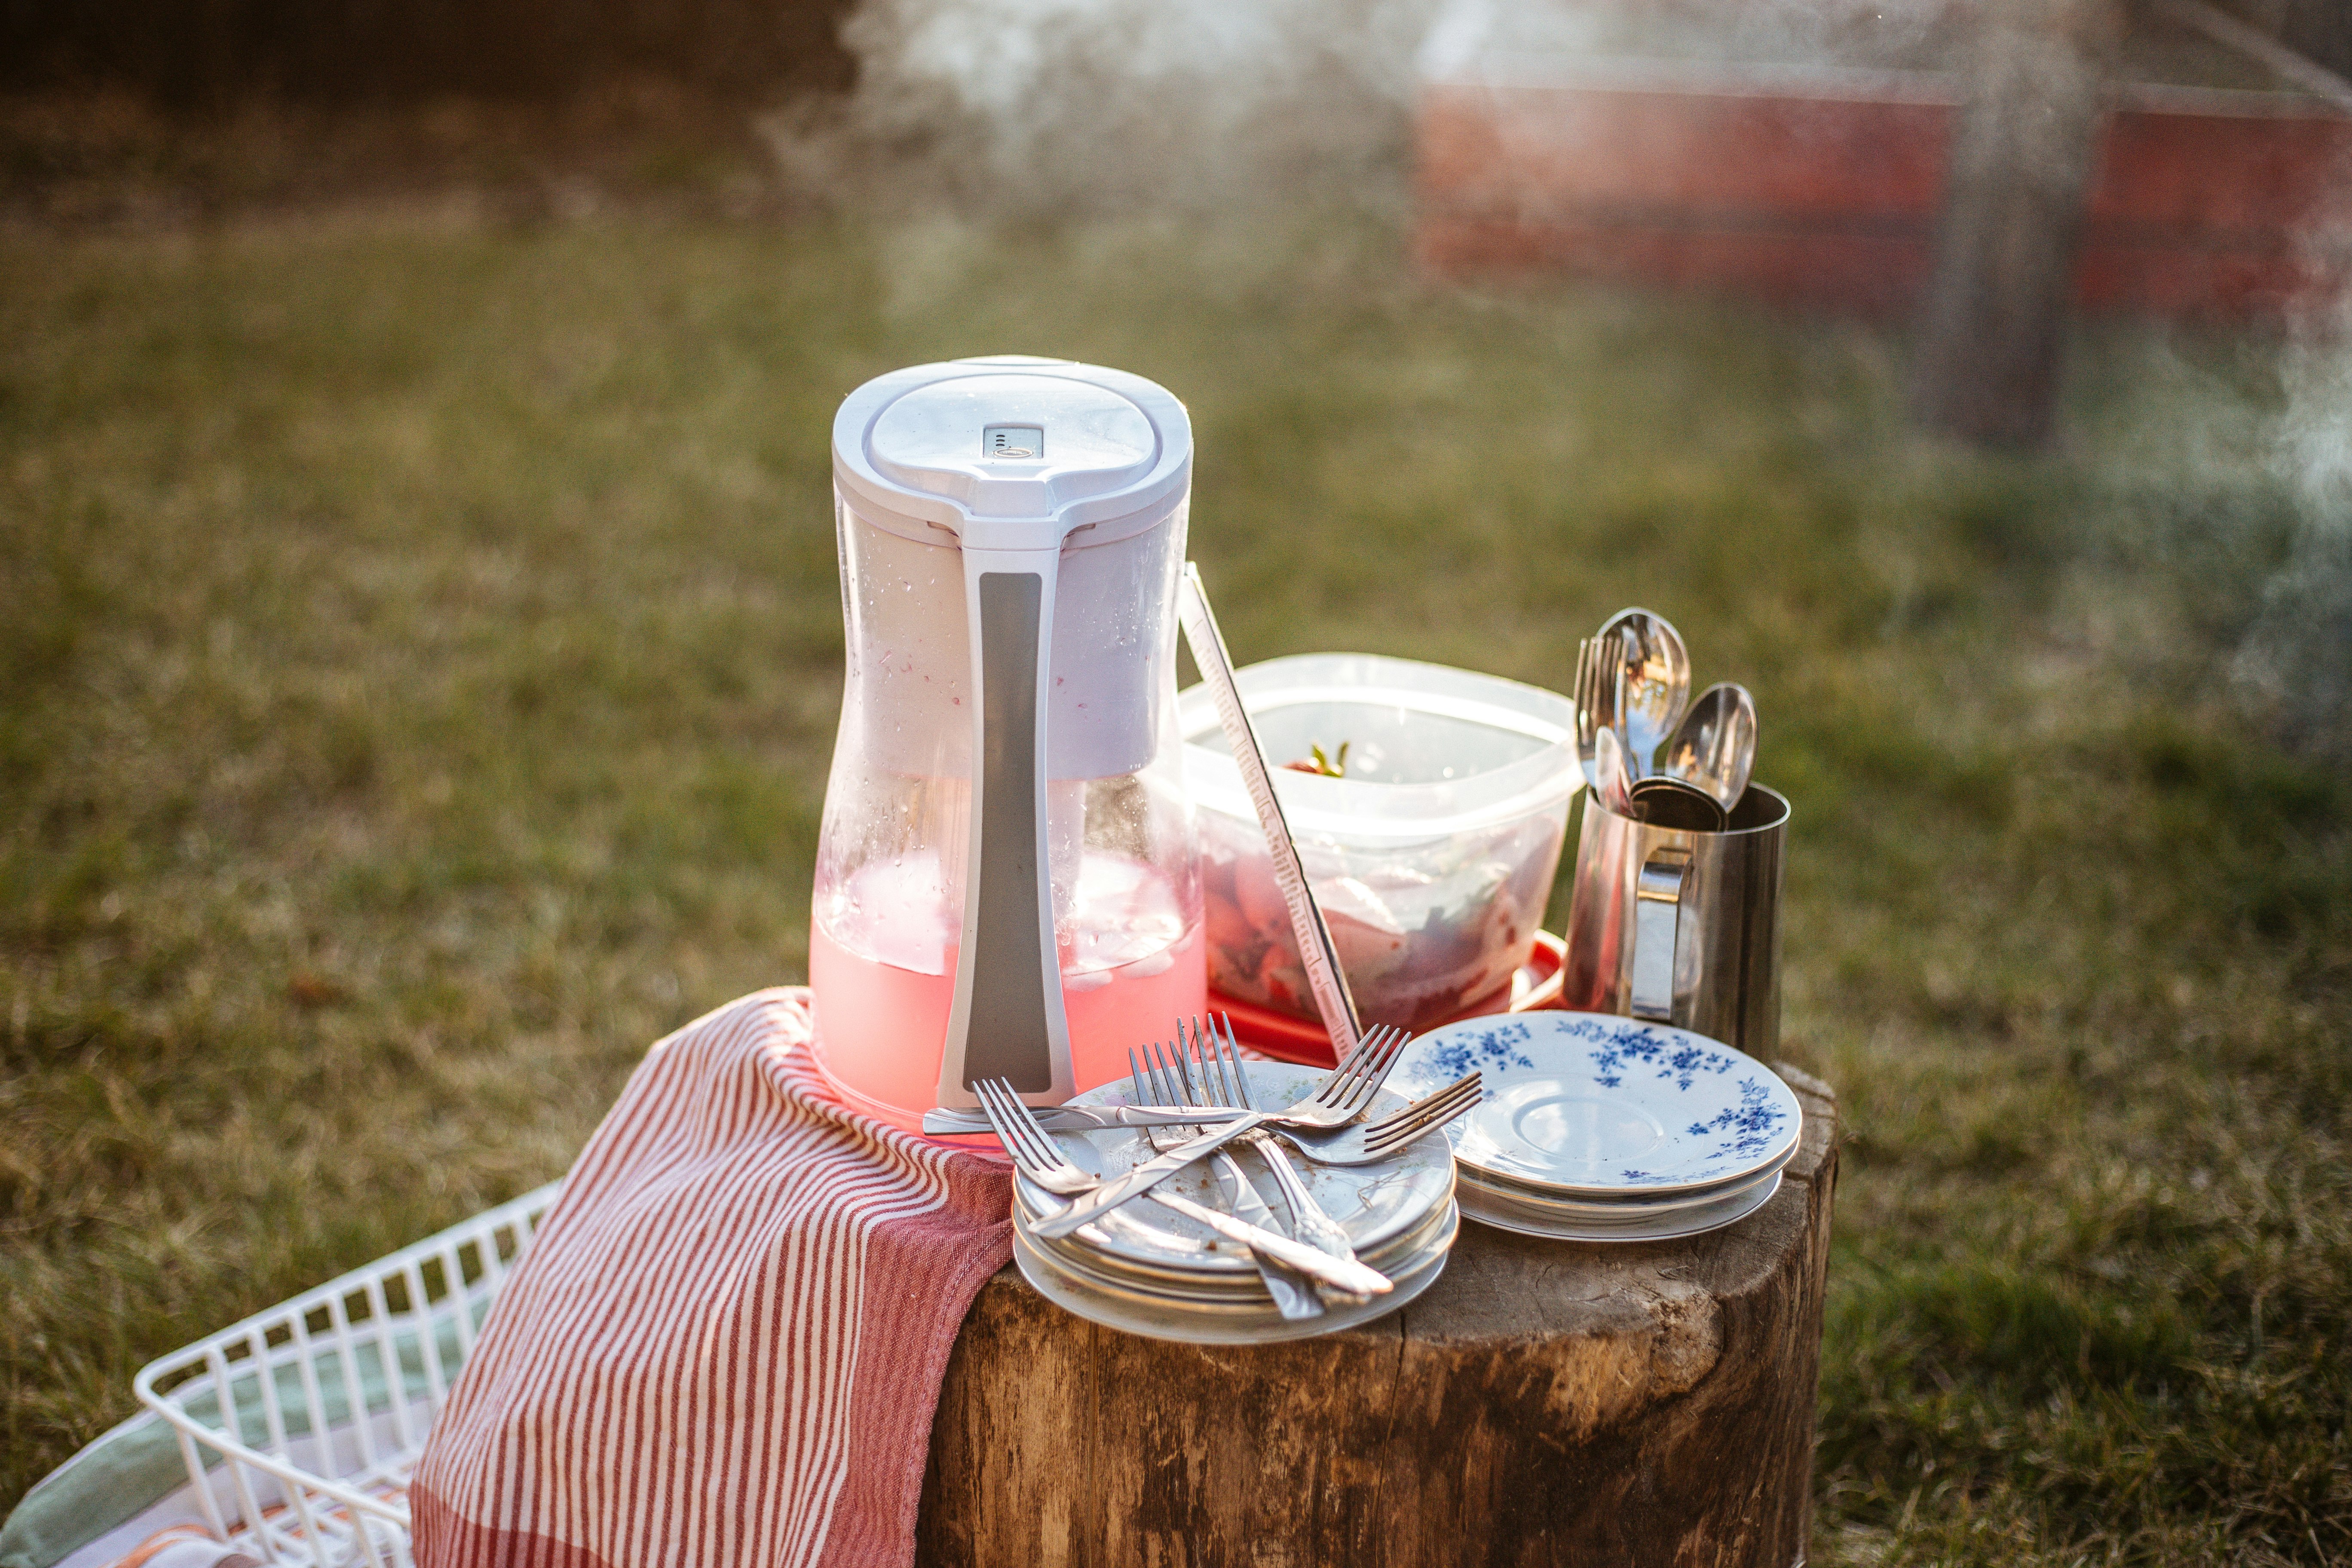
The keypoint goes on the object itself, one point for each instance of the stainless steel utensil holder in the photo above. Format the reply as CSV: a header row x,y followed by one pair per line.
x,y
1679,926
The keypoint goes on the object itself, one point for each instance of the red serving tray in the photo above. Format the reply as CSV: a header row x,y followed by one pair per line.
x,y
1289,1038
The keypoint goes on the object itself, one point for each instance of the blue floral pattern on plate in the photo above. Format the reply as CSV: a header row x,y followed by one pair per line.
x,y
1591,1102
1488,1050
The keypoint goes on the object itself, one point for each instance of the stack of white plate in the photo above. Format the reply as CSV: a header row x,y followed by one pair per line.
x,y
1597,1127
1149,1270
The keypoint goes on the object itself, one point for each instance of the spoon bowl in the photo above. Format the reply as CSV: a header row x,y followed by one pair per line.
x,y
1714,745
1651,674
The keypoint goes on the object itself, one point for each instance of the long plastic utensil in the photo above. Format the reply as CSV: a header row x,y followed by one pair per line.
x,y
1324,976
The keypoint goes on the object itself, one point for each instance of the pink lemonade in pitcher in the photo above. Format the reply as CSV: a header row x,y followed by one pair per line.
x,y
882,957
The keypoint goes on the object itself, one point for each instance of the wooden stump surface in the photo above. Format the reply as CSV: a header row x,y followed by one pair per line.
x,y
1544,1403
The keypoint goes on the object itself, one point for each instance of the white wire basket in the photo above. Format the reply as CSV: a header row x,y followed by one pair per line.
x,y
300,1426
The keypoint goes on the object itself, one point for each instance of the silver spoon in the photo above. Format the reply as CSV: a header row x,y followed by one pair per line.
x,y
1655,670
1714,745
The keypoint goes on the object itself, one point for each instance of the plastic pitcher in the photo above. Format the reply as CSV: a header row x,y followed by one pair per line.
x,y
1005,881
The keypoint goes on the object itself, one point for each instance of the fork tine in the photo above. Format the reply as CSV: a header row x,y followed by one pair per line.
x,y
1196,1084
1341,1083
1223,1088
1043,1151
1198,1059
1468,1087
1009,1129
1368,1082
1180,1067
1229,1051
988,1109
1196,1070
1404,1138
1405,1128
1594,674
1005,1133
1590,700
1215,1090
1435,1107
1577,693
1391,1048
1135,1080
1346,1066
1433,1111
1164,1082
1180,1082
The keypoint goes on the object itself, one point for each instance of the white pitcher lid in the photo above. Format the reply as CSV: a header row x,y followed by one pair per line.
x,y
1012,452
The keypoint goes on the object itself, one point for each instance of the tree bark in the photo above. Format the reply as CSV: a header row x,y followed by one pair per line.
x,y
1544,1403
1992,336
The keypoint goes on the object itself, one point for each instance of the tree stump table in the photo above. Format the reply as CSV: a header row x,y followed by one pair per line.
x,y
1543,1403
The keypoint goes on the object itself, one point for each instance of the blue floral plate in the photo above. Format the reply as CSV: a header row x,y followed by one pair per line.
x,y
1593,1105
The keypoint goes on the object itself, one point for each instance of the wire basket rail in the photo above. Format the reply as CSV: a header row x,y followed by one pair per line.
x,y
300,1426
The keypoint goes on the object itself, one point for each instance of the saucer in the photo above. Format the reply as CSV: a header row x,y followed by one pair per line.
x,y
1135,1310
1592,1106
1487,1206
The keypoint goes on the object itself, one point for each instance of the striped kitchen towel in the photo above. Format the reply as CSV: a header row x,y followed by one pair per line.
x,y
726,1342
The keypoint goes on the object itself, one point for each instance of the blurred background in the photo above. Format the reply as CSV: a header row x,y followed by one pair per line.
x,y
422,642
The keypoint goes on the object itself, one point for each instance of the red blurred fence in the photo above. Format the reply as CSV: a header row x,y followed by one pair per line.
x,y
1821,188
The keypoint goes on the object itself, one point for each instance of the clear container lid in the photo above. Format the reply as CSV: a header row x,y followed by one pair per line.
x,y
1432,750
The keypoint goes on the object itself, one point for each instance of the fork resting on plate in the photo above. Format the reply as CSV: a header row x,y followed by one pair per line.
x,y
1034,1155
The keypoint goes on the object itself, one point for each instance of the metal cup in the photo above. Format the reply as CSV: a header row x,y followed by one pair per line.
x,y
1680,926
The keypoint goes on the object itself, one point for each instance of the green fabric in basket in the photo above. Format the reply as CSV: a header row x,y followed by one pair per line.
x,y
129,1469
137,1465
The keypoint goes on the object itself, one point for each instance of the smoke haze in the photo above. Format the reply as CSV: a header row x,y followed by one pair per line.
x,y
967,113
1038,107
2298,659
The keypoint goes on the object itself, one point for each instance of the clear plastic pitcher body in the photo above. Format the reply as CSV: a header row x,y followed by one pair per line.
x,y
894,901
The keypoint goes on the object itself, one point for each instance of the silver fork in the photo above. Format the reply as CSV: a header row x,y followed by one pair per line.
x,y
1343,1099
1361,1143
1293,1296
1224,1080
1035,1155
1396,1131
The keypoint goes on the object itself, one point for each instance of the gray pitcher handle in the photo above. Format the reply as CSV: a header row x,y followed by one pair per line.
x,y
1657,928
1008,1019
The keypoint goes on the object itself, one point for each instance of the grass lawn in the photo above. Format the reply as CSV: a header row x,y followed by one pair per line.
x,y
418,670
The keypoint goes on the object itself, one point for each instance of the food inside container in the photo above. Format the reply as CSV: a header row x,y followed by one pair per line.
x,y
1432,854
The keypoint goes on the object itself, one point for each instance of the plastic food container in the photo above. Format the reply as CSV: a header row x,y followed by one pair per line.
x,y
1431,858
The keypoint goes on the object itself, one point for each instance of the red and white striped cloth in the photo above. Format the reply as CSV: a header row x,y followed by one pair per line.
x,y
726,1344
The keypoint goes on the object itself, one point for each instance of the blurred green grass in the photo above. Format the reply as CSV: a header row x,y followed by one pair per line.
x,y
421,654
